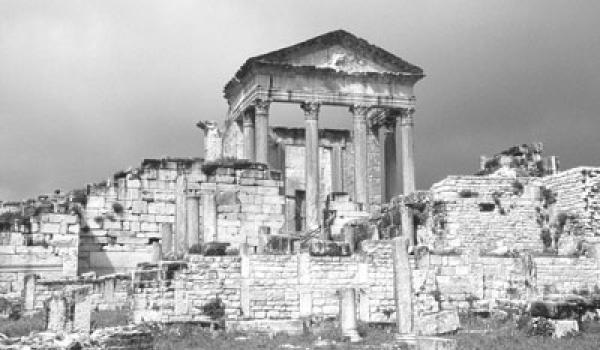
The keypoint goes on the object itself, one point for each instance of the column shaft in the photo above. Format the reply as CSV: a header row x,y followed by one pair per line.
x,y
249,137
261,122
403,294
181,240
359,142
408,172
408,163
311,112
193,222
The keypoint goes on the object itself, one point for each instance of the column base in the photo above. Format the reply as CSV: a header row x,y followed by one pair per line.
x,y
416,342
352,335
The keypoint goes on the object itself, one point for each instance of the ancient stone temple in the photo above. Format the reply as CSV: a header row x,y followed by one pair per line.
x,y
369,162
282,223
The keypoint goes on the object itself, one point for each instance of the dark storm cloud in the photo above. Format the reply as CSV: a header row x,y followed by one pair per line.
x,y
91,87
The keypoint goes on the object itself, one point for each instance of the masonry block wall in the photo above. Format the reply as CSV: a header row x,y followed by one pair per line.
x,y
48,250
578,192
483,213
109,292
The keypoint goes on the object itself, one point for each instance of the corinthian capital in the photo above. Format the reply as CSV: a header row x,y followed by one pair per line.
x,y
311,109
404,116
359,109
261,106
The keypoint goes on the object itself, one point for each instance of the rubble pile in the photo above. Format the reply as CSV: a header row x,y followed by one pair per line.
x,y
112,338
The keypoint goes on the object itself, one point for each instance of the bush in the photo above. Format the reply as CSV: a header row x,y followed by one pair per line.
x,y
215,309
196,249
539,326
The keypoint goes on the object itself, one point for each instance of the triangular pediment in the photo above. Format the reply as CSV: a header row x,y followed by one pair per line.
x,y
341,51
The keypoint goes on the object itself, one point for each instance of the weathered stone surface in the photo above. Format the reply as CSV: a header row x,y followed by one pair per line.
x,y
439,323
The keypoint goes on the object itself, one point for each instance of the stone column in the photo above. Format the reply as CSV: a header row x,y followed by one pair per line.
x,y
337,182
348,314
193,216
359,143
385,129
166,232
209,217
403,294
261,122
248,126
181,239
311,176
156,253
404,127
56,309
29,292
408,162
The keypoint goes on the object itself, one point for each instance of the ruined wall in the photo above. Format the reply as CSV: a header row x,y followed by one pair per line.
x,y
105,293
577,191
124,216
483,213
246,203
49,249
233,140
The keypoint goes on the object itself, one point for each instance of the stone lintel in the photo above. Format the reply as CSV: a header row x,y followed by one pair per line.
x,y
324,98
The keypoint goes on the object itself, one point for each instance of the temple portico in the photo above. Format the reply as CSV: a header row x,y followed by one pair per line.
x,y
335,69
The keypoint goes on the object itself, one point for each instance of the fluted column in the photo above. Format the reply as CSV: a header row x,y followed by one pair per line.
x,y
248,127
311,117
408,162
359,142
404,129
261,122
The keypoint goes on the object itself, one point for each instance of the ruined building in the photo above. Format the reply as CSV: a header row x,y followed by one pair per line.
x,y
305,211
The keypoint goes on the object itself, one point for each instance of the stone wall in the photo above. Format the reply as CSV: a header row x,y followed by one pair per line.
x,y
577,191
482,213
126,214
109,292
48,249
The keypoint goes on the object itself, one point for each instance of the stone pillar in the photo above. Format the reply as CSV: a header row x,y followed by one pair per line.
x,y
213,141
245,283
83,311
56,309
209,217
193,216
312,168
404,126
180,216
403,294
166,232
359,142
348,314
261,122
156,253
337,169
408,162
248,126
29,292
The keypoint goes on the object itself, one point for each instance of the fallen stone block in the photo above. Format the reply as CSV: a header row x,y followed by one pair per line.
x,y
564,328
438,323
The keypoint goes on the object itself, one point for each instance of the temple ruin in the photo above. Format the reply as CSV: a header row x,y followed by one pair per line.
x,y
274,222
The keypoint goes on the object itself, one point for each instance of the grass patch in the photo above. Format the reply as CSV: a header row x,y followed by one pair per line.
x,y
23,326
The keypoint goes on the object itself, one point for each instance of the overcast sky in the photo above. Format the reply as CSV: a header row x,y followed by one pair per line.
x,y
88,88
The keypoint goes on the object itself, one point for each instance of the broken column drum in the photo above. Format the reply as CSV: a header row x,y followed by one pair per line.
x,y
403,294
348,314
